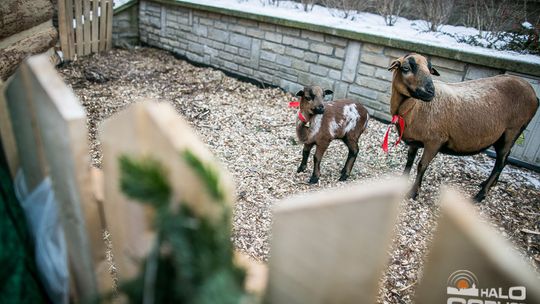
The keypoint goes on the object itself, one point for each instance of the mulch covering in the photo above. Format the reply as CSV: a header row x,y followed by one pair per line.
x,y
251,131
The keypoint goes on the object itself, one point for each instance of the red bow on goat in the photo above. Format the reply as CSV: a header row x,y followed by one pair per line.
x,y
399,120
296,104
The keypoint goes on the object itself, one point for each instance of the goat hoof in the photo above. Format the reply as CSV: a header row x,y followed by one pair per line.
x,y
479,197
343,177
412,194
301,169
313,180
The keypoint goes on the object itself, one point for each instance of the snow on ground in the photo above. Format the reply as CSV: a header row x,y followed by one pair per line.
x,y
404,29
118,3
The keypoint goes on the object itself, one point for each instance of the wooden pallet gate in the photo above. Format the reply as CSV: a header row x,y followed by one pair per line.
x,y
85,26
328,247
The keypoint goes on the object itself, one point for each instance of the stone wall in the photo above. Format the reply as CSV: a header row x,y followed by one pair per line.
x,y
292,54
126,25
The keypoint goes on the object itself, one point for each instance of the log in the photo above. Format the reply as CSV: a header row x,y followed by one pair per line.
x,y
14,49
20,15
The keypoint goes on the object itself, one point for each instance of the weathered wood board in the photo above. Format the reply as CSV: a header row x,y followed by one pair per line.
x,y
6,133
331,247
50,131
469,262
151,129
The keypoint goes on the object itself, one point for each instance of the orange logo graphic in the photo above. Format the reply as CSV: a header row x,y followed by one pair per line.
x,y
462,282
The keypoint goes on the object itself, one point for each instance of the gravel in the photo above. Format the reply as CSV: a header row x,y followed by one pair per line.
x,y
251,130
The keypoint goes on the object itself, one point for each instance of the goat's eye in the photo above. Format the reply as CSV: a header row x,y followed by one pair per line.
x,y
405,69
307,98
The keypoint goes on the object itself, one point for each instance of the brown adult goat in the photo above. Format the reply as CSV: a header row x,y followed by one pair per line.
x,y
458,118
319,123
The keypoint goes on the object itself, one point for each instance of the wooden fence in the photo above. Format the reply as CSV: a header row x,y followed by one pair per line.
x,y
328,247
85,26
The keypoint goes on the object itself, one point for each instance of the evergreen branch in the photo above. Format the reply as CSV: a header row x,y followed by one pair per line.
x,y
144,180
207,173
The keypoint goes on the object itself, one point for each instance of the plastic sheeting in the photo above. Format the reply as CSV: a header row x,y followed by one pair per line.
x,y
41,213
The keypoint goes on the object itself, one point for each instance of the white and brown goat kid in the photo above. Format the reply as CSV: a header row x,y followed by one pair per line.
x,y
319,123
458,118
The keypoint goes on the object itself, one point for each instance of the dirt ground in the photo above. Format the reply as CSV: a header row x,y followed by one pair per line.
x,y
251,130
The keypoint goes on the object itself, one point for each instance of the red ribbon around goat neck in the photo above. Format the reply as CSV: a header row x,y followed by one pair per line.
x,y
296,104
399,119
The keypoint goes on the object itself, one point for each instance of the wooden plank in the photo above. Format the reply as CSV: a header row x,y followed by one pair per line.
x,y
102,25
95,26
79,38
109,24
87,27
67,17
62,125
71,29
63,25
152,130
330,247
466,252
25,129
6,133
60,121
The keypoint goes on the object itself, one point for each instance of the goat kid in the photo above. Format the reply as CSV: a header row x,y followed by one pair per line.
x,y
319,123
458,118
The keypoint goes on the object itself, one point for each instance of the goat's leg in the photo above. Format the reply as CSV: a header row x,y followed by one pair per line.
x,y
411,155
503,146
319,152
305,154
427,156
351,158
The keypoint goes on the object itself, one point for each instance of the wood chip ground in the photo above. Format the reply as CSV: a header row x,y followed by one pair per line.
x,y
251,130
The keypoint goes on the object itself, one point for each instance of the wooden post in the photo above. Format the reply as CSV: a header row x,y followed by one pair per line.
x,y
95,26
87,27
149,129
331,247
470,261
6,133
109,15
65,25
50,130
102,25
79,39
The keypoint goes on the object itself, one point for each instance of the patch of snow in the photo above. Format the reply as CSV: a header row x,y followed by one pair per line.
x,y
527,25
118,3
517,175
404,29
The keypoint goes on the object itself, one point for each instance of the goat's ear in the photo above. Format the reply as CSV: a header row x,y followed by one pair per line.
x,y
394,65
328,92
434,72
300,93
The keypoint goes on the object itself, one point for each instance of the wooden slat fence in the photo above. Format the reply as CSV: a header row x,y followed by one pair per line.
x,y
50,134
329,247
85,26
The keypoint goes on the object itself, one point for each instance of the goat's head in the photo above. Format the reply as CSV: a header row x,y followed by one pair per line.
x,y
412,76
312,99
